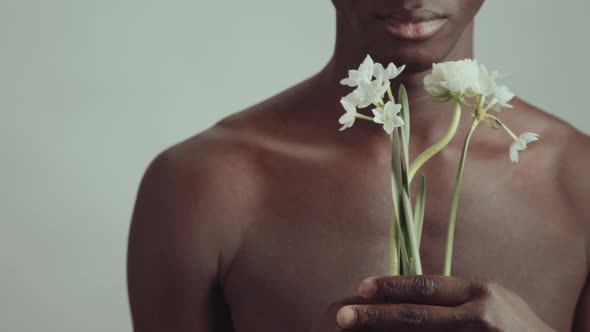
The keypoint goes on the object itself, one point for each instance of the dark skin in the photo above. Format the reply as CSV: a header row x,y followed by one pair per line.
x,y
277,217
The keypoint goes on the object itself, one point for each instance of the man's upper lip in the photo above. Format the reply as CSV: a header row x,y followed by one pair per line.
x,y
411,16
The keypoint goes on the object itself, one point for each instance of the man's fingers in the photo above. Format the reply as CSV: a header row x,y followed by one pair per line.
x,y
432,290
402,317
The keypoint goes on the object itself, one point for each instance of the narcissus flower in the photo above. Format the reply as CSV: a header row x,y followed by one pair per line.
x,y
369,93
520,143
347,119
388,116
386,74
371,81
363,74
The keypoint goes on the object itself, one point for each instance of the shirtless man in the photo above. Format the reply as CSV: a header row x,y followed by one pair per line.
x,y
271,219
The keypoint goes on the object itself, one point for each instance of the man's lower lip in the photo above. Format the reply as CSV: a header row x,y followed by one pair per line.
x,y
418,30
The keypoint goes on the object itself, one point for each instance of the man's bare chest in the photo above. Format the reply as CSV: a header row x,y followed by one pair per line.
x,y
317,233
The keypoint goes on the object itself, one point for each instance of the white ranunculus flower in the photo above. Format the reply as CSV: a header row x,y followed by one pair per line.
x,y
502,96
433,87
388,116
363,74
485,83
452,78
520,143
466,78
347,119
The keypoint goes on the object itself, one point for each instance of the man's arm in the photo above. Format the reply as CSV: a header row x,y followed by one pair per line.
x,y
576,162
582,318
174,251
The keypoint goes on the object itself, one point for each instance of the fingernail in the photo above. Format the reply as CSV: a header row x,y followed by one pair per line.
x,y
346,317
368,287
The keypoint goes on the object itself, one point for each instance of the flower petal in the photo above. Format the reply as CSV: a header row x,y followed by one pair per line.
x,y
378,115
353,98
513,153
378,70
392,108
529,137
388,127
348,82
348,105
398,121
347,118
366,68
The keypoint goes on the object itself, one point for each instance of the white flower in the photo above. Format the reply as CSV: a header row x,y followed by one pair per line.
x,y
354,97
388,116
368,90
363,74
386,74
502,96
369,69
347,119
452,78
369,93
467,78
520,144
485,83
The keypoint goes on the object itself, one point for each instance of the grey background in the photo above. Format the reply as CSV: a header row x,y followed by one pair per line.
x,y
90,91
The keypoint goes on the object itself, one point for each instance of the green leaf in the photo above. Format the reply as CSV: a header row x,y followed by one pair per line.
x,y
396,174
405,129
405,266
396,190
403,98
402,248
396,170
419,209
410,235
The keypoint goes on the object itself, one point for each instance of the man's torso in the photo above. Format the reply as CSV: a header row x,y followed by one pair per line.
x,y
319,214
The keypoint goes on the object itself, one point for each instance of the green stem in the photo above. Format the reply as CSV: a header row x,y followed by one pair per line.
x,y
394,246
410,237
390,95
439,145
455,202
362,116
510,132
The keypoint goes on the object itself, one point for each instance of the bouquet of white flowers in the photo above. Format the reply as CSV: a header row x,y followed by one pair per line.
x,y
465,82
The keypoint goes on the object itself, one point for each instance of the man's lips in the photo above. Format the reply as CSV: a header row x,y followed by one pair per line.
x,y
413,25
414,29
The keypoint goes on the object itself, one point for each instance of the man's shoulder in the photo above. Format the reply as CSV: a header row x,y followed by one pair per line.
x,y
207,185
194,200
230,151
574,158
567,149
572,146
219,155
562,154
560,141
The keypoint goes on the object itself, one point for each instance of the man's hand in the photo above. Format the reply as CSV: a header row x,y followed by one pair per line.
x,y
438,303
